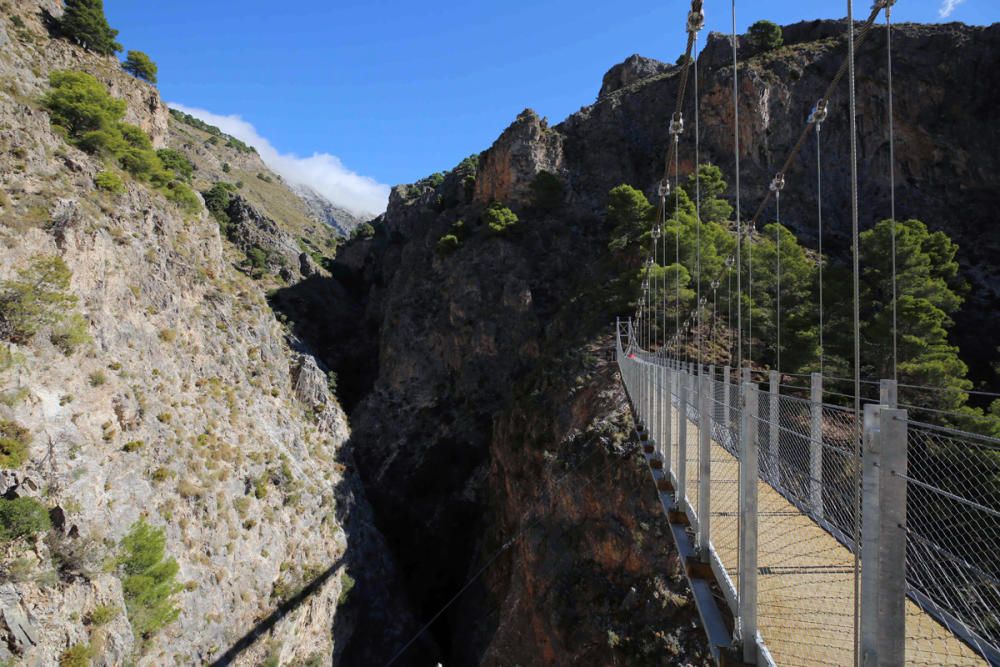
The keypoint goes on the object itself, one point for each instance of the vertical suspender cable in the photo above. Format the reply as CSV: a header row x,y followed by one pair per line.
x,y
697,202
729,316
892,184
739,229
819,218
777,261
777,183
852,103
750,230
677,219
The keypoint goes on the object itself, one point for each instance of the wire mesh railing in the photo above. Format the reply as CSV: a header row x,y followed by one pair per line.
x,y
809,479
953,533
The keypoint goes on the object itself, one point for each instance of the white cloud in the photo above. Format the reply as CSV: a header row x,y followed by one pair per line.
x,y
947,7
322,172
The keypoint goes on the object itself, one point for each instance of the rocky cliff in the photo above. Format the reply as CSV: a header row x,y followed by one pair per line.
x,y
487,422
183,403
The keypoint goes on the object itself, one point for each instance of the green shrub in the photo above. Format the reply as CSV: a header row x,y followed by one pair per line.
x,y
434,180
183,196
257,257
765,36
233,142
150,579
92,120
363,231
140,65
14,442
84,23
447,244
176,162
22,517
70,333
133,446
217,200
103,614
80,104
109,182
346,586
38,297
97,378
499,218
546,191
78,655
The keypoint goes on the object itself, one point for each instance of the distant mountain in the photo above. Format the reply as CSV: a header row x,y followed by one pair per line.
x,y
326,211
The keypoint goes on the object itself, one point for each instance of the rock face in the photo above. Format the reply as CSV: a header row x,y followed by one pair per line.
x,y
190,407
635,68
507,170
491,420
251,230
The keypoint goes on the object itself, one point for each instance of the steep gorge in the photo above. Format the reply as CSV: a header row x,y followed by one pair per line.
x,y
487,426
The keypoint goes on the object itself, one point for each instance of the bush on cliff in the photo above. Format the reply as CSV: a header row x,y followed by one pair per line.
x,y
447,244
150,579
499,218
37,298
84,22
176,162
91,119
141,66
14,442
765,36
22,517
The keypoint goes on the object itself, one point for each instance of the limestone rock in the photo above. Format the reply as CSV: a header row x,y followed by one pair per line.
x,y
508,168
634,68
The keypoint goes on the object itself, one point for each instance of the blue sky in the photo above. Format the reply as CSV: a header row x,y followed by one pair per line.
x,y
392,91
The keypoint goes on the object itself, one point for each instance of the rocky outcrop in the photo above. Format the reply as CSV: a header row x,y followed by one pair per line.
x,y
634,68
508,168
251,231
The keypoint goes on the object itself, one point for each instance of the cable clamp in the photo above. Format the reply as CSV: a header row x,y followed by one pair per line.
x,y
677,124
778,182
818,113
663,189
696,20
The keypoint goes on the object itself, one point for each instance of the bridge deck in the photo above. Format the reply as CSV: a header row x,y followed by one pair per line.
x,y
806,576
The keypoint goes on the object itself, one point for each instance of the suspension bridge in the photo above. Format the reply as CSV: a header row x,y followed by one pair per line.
x,y
820,519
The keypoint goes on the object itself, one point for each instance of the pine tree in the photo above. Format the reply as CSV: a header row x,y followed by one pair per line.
x,y
84,23
141,66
